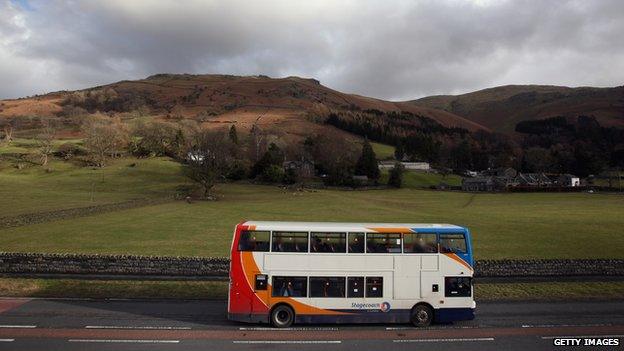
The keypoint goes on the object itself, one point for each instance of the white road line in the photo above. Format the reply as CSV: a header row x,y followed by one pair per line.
x,y
443,340
7,340
583,336
18,326
444,328
286,329
135,327
132,341
287,342
564,325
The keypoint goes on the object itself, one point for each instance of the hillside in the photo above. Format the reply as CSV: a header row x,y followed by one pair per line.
x,y
284,105
501,108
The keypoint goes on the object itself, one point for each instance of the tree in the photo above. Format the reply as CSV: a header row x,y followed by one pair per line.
x,y
399,150
272,157
537,159
367,163
157,138
44,142
209,158
8,134
103,138
396,175
233,135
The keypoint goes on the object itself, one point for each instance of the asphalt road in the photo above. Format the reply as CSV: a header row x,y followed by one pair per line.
x,y
47,324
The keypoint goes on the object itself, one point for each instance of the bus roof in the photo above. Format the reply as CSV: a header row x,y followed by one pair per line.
x,y
346,226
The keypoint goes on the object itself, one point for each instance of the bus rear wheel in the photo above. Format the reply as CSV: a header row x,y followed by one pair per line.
x,y
282,316
422,315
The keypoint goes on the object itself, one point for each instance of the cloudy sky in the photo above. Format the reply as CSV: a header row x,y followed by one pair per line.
x,y
387,49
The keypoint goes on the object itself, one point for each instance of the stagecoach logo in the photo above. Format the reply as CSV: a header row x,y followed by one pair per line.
x,y
385,306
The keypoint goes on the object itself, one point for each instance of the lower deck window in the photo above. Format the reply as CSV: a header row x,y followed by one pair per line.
x,y
355,287
327,287
290,286
374,286
457,287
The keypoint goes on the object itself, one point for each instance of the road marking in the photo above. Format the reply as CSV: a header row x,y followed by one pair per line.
x,y
135,327
18,326
444,328
285,329
443,340
584,336
7,340
287,342
134,341
564,325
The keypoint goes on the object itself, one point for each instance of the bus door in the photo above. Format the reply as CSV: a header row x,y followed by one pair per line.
x,y
261,289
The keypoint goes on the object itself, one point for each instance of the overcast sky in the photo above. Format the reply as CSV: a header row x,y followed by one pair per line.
x,y
387,49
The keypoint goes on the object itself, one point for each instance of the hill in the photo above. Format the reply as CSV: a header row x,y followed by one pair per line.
x,y
501,108
284,105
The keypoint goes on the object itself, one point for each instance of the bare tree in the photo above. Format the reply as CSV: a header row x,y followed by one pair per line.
x,y
103,138
44,142
209,158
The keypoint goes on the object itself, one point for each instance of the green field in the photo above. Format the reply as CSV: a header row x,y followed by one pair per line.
x,y
537,225
383,151
419,180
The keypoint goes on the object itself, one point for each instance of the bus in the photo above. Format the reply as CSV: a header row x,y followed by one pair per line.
x,y
321,272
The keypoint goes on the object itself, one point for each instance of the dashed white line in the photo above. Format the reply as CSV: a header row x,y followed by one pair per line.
x,y
563,325
18,326
285,329
583,336
443,340
287,342
135,327
7,340
131,341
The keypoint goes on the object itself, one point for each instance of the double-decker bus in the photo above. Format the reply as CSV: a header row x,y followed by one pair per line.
x,y
316,272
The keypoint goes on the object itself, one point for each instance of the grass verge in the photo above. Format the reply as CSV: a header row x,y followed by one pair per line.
x,y
76,288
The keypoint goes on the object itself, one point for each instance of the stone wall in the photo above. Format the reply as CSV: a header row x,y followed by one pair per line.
x,y
31,263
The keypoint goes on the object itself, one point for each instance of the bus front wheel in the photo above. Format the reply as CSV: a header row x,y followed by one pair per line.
x,y
282,316
422,315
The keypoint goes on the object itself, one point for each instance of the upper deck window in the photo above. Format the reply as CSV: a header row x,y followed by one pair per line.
x,y
452,243
383,243
290,242
420,243
252,240
356,242
328,242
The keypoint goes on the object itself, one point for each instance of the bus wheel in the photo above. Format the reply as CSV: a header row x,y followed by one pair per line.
x,y
282,316
422,315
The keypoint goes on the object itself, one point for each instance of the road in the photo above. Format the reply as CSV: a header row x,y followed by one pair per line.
x,y
65,324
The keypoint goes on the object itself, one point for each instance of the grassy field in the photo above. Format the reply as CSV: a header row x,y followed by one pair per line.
x,y
19,287
419,180
522,225
69,185
383,151
566,225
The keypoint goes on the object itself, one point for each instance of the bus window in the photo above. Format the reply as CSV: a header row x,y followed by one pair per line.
x,y
383,243
419,243
327,287
251,240
374,286
452,243
356,242
355,286
328,242
457,286
290,286
290,242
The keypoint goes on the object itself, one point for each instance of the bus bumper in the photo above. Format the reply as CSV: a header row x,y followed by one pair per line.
x,y
249,318
447,315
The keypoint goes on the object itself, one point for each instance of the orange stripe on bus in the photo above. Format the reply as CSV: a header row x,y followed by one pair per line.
x,y
458,259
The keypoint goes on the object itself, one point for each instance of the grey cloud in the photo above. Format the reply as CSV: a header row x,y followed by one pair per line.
x,y
386,49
